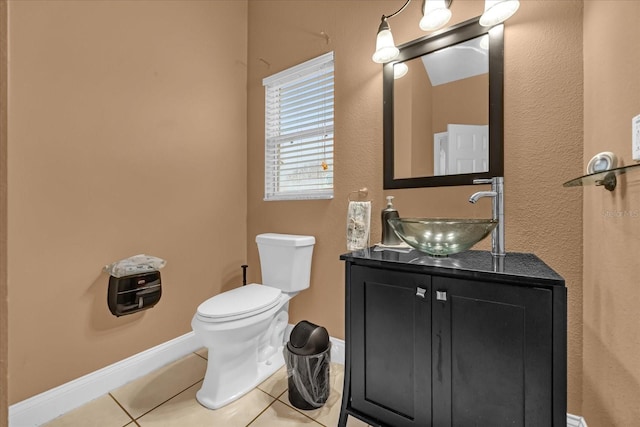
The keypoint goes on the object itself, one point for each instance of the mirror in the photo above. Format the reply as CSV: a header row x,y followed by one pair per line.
x,y
443,119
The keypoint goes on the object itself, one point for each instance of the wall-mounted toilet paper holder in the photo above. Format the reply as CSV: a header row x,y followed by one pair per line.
x,y
130,294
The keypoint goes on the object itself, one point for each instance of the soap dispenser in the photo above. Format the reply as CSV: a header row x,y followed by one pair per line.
x,y
389,237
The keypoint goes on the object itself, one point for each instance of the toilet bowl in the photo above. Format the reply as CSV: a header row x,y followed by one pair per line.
x,y
243,329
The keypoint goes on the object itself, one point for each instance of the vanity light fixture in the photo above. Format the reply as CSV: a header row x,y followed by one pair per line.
x,y
436,14
497,11
399,70
386,49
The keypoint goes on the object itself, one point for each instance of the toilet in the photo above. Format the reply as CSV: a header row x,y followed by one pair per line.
x,y
243,329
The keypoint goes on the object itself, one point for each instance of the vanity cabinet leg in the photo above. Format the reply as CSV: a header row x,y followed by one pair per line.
x,y
346,395
342,422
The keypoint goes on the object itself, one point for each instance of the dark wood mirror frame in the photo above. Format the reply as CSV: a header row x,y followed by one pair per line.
x,y
453,35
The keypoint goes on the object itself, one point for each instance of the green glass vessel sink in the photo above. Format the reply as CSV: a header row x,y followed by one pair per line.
x,y
442,236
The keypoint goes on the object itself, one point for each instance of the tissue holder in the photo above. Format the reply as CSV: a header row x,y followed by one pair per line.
x,y
133,293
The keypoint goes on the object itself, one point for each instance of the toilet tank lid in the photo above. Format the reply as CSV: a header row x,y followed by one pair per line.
x,y
285,239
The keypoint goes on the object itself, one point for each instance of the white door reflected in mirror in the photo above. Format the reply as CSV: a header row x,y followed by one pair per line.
x,y
462,149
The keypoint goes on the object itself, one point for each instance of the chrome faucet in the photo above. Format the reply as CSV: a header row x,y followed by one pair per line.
x,y
497,193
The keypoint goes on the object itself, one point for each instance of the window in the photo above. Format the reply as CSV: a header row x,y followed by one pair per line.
x,y
299,131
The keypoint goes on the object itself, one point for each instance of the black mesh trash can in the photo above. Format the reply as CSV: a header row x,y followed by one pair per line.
x,y
308,356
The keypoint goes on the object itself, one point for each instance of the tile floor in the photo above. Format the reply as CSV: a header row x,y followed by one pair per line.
x,y
166,398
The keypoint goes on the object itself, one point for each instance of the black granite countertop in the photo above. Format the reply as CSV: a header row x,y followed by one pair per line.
x,y
480,265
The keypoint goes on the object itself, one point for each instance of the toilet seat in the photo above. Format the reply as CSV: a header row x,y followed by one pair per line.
x,y
239,303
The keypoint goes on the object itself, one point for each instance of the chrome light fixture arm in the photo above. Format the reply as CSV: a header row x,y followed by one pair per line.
x,y
398,11
386,50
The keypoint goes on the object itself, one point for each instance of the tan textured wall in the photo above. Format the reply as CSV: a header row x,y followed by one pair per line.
x,y
4,337
543,141
402,122
413,136
611,374
462,102
127,135
421,126
543,148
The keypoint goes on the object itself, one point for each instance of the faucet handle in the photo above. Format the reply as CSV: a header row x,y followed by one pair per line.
x,y
483,181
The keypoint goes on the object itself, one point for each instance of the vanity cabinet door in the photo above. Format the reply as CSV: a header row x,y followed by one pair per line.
x,y
391,346
492,354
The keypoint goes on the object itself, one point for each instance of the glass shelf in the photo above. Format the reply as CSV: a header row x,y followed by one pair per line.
x,y
606,178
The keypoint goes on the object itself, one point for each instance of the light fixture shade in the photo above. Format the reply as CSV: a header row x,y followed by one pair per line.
x,y
497,11
399,70
436,15
386,49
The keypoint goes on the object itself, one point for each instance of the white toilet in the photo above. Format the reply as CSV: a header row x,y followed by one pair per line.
x,y
243,328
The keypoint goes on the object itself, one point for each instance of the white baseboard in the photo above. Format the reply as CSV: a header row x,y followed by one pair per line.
x,y
337,350
575,421
46,406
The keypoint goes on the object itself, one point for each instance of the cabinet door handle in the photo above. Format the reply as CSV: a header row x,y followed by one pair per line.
x,y
441,295
420,292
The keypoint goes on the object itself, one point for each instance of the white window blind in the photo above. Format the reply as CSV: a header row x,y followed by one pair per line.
x,y
299,131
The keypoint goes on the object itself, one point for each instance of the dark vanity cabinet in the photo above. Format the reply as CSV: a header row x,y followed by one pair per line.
x,y
391,345
458,341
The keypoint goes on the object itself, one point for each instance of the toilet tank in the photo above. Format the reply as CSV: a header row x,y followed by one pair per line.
x,y
285,260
